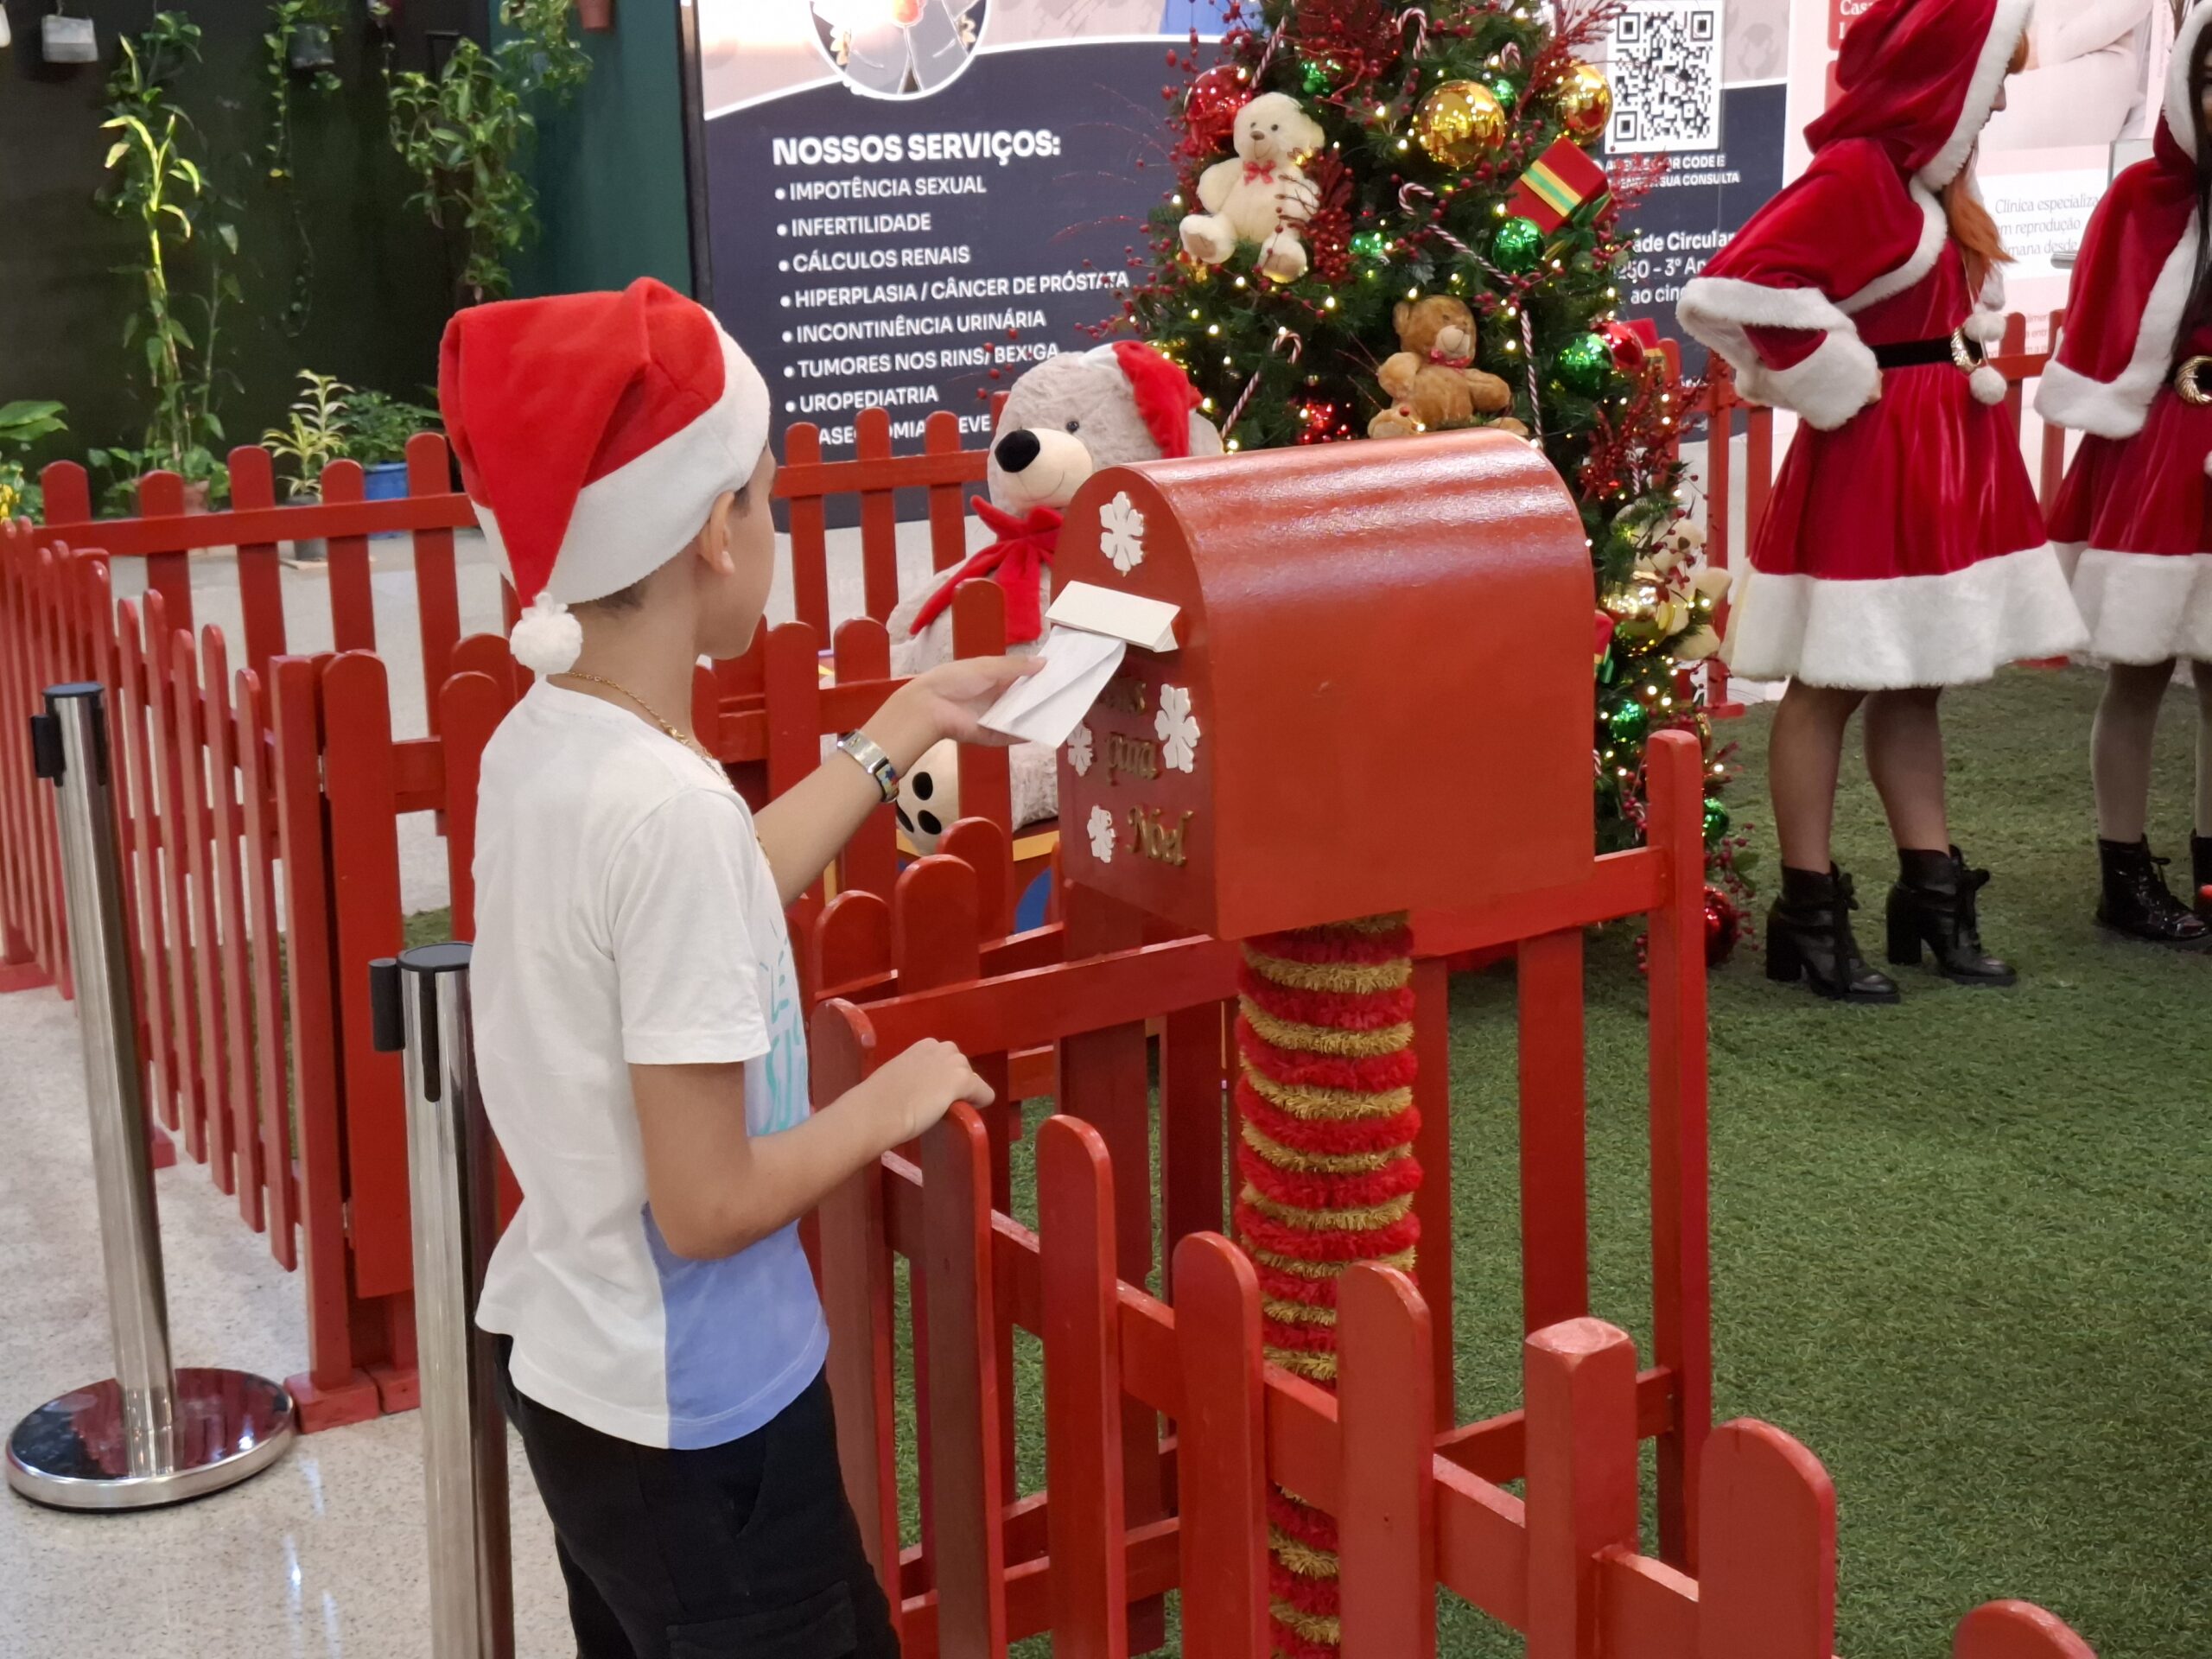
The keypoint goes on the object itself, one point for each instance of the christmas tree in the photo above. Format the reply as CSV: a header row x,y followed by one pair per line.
x,y
1451,171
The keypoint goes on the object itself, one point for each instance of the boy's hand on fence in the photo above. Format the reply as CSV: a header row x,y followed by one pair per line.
x,y
918,1087
952,697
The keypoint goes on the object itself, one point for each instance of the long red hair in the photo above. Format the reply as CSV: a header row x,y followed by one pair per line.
x,y
1972,227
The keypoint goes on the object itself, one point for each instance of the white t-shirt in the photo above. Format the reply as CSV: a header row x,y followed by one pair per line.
x,y
624,915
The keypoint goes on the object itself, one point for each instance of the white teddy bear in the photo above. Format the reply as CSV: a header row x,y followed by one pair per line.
x,y
1260,195
1064,418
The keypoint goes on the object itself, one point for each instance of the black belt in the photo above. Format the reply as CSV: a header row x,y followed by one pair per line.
x,y
1919,353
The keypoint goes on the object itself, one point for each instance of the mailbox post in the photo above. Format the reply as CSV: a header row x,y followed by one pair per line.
x,y
1379,695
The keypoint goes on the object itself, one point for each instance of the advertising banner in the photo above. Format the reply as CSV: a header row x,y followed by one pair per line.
x,y
1704,83
904,195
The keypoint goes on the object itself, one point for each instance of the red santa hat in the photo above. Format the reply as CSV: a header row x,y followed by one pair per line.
x,y
1920,78
1164,394
594,432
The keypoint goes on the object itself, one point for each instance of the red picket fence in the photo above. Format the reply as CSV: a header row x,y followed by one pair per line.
x,y
1418,1495
1085,998
1720,401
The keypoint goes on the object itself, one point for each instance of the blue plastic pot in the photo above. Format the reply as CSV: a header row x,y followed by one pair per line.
x,y
384,480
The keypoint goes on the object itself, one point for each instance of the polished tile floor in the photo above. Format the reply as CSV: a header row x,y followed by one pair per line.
x,y
320,1557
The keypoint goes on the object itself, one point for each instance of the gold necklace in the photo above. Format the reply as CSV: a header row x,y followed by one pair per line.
x,y
649,712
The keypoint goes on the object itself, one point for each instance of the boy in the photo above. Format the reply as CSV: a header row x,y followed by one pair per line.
x,y
638,1028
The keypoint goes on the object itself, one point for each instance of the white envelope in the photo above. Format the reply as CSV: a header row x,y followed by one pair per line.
x,y
1049,704
1148,624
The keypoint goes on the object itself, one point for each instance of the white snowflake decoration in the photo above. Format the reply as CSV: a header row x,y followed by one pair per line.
x,y
1120,534
1080,751
1178,728
1101,835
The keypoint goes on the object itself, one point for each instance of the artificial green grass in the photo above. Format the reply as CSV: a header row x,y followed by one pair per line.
x,y
1958,1245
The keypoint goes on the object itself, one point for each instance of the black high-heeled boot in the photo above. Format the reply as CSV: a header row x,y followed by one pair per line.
x,y
1934,905
2200,865
2137,903
1808,937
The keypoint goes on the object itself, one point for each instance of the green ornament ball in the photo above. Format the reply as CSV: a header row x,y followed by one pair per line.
x,y
1518,246
1716,820
1583,363
1320,77
1505,90
1629,723
1368,244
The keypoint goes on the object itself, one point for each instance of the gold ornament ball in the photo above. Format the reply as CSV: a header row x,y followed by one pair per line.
x,y
1461,123
1584,102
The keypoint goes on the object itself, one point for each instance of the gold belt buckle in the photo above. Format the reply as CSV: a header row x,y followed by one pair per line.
x,y
2186,384
1967,355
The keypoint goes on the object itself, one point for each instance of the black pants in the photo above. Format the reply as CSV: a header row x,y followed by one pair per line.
x,y
747,1550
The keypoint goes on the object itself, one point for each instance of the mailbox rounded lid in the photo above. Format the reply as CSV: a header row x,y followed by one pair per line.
x,y
1384,645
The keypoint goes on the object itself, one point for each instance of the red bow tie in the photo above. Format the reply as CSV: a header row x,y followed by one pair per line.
x,y
1016,562
1450,362
1259,172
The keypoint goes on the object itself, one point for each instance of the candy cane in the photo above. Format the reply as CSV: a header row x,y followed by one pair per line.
x,y
1297,351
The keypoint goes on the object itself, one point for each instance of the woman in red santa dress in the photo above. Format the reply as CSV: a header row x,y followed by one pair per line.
x,y
2134,372
1903,551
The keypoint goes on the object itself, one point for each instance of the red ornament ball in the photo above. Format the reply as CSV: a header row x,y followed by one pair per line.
x,y
1628,350
1210,110
1724,924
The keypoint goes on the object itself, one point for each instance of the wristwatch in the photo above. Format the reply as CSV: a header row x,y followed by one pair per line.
x,y
867,754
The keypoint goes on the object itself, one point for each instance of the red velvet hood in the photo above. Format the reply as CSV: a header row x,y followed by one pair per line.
x,y
2131,281
1920,78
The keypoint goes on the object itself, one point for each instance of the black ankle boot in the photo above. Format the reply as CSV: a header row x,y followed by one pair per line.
x,y
2200,864
1934,905
1809,938
2136,902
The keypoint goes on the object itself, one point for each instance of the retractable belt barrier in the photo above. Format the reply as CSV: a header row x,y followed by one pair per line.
x,y
150,1435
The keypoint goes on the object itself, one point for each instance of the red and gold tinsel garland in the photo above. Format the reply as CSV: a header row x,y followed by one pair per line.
x,y
1326,1135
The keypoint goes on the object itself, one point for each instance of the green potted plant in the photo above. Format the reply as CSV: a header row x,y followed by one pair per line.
x,y
22,423
313,435
378,427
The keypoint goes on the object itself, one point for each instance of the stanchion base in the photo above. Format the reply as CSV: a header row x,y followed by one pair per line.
x,y
70,1454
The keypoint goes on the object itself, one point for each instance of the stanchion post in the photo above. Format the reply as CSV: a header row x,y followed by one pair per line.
x,y
420,1001
150,1435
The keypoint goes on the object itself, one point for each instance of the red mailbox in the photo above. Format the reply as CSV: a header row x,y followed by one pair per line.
x,y
1379,694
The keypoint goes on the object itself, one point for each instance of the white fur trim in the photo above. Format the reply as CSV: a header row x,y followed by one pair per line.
x,y
1934,227
1893,633
1991,67
547,639
2117,408
2180,118
1986,384
1988,326
1838,380
641,515
2143,608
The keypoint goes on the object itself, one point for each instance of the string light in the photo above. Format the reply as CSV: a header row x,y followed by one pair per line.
x,y
1213,328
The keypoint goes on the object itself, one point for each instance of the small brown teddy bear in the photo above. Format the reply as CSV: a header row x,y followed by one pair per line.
x,y
1431,380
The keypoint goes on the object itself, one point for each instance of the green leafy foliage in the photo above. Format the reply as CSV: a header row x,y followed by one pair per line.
x,y
23,424
463,133
155,185
292,22
378,427
314,432
1280,363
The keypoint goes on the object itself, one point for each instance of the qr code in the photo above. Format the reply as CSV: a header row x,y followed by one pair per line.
x,y
1666,74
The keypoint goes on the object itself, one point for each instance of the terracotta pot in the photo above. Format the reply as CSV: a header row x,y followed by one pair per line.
x,y
596,16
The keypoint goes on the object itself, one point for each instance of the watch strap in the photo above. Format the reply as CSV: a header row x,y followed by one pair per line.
x,y
867,754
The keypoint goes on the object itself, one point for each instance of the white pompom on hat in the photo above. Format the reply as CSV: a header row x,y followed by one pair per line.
x,y
594,433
